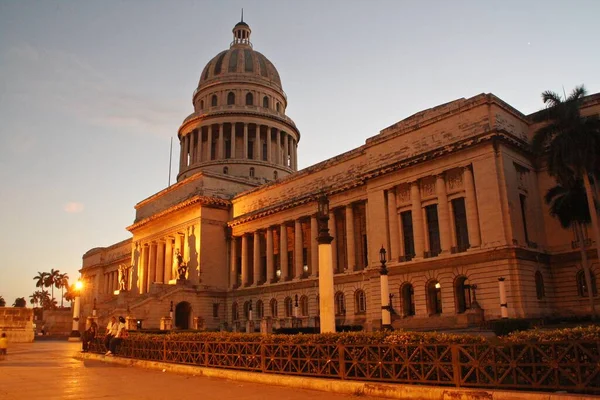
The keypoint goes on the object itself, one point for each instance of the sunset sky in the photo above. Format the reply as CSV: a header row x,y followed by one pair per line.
x,y
91,92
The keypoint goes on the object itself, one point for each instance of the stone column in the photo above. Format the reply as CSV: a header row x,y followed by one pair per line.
x,y
168,259
350,245
220,148
270,266
245,141
286,149
152,265
256,258
417,217
314,246
187,150
232,137
257,146
143,271
443,213
208,143
278,151
233,262
394,230
298,261
283,252
244,260
268,140
160,262
192,146
332,232
471,205
181,152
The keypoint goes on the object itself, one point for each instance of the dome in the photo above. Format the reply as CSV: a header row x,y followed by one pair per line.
x,y
240,63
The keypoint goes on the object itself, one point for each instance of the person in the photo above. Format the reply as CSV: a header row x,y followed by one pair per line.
x,y
88,336
3,345
121,334
111,331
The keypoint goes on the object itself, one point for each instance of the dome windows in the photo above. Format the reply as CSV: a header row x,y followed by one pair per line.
x,y
251,172
230,99
265,102
249,99
225,170
201,104
214,101
275,175
278,107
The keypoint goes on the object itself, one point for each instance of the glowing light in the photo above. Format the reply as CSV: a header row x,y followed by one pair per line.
x,y
79,285
437,285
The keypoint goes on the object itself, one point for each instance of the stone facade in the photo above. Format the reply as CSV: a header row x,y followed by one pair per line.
x,y
453,193
17,323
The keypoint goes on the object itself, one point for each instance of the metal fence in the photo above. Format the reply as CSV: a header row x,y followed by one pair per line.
x,y
568,366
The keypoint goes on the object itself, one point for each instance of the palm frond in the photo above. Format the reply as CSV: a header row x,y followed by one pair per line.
x,y
577,93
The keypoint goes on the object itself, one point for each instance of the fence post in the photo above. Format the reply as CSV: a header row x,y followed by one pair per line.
x,y
342,369
164,349
206,345
263,352
455,364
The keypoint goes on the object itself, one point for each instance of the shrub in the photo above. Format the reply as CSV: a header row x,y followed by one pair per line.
x,y
580,333
502,327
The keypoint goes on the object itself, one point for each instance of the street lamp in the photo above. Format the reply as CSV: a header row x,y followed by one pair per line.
x,y
327,314
386,310
75,334
503,302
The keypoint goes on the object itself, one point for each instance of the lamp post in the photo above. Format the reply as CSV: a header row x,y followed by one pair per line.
x,y
327,315
386,310
503,303
75,334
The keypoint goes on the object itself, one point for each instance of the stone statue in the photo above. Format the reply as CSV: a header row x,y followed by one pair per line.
x,y
181,266
123,277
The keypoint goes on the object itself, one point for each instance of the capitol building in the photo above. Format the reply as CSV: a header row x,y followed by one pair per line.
x,y
453,193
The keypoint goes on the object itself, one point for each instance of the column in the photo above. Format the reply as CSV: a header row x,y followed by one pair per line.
x,y
332,232
283,252
314,246
187,150
270,271
194,134
143,270
293,153
350,251
152,265
244,260
417,217
298,256
181,152
168,259
256,258
160,261
208,143
105,283
286,149
232,137
394,230
257,146
245,141
220,147
233,262
278,151
268,141
471,205
443,213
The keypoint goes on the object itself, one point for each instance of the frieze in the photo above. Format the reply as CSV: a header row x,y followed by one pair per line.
x,y
454,180
427,188
403,194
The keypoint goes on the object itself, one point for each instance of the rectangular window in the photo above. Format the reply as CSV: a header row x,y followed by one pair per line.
x,y
460,224
215,310
407,233
264,152
227,149
250,150
523,199
340,230
213,151
433,230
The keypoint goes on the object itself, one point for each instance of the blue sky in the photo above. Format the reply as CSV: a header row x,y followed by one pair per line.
x,y
91,92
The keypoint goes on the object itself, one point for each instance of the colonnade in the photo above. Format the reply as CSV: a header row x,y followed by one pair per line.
x,y
242,141
111,281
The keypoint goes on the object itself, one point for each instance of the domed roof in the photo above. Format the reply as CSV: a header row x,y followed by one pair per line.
x,y
240,62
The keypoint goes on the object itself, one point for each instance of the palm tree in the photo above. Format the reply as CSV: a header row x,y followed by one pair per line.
x,y
70,294
52,279
41,279
2,302
46,301
568,204
572,145
62,283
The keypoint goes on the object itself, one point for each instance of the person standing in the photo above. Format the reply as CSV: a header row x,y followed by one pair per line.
x,y
3,345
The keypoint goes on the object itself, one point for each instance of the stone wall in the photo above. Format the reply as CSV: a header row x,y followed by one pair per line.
x,y
17,323
57,322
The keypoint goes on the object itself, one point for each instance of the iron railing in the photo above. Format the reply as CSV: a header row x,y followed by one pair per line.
x,y
566,366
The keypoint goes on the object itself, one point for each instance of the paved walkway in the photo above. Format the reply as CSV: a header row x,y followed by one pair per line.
x,y
47,370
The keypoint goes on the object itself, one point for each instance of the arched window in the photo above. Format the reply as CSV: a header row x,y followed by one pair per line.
x,y
340,304
225,170
407,294
273,305
304,306
288,305
278,107
582,287
260,309
540,290
265,102
214,101
247,306
252,172
275,175
434,297
249,99
235,314
201,104
230,98
462,294
360,302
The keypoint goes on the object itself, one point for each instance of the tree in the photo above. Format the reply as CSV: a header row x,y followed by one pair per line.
x,y
46,301
568,204
2,302
40,279
20,302
70,294
52,279
63,282
571,143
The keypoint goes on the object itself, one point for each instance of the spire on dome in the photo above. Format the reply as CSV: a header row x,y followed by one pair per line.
x,y
241,33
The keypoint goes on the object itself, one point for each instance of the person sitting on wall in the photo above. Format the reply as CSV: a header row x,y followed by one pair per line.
x,y
115,342
111,331
88,336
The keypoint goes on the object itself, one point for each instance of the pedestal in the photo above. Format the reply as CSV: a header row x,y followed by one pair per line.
x,y
198,323
130,324
266,325
166,323
249,326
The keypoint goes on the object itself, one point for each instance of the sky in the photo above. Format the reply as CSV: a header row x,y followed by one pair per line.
x,y
91,92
